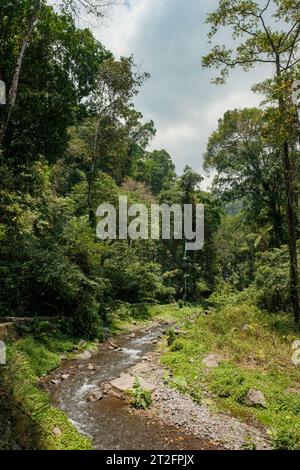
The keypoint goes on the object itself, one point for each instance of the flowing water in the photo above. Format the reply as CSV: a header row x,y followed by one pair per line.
x,y
110,422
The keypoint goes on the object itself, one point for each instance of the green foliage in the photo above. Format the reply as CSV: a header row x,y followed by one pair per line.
x,y
171,337
272,280
257,357
33,416
141,398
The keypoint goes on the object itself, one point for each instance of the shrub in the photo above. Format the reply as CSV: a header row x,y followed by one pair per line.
x,y
272,280
141,398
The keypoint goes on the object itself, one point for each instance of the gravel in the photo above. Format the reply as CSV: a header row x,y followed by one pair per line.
x,y
177,409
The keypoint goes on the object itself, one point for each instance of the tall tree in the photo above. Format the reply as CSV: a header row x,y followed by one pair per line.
x,y
30,11
247,157
258,41
117,83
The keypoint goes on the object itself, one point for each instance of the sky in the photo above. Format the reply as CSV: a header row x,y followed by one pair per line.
x,y
168,39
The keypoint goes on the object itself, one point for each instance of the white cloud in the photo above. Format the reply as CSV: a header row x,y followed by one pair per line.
x,y
168,38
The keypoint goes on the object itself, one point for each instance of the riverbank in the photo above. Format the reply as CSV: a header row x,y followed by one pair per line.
x,y
202,364
237,359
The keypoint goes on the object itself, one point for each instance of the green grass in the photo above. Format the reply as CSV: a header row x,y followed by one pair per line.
x,y
259,358
33,416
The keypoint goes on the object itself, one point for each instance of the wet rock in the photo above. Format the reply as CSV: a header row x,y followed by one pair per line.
x,y
106,387
84,355
115,394
96,395
55,382
56,431
65,376
255,398
126,381
212,361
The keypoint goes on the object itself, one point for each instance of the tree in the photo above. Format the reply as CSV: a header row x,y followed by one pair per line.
x,y
156,169
258,41
117,84
25,15
52,93
247,157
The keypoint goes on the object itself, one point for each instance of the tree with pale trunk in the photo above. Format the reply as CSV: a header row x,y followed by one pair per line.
x,y
266,33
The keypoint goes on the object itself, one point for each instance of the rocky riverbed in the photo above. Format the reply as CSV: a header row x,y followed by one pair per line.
x,y
89,389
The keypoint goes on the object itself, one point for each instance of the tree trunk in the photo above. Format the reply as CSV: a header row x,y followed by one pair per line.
x,y
92,217
13,90
291,217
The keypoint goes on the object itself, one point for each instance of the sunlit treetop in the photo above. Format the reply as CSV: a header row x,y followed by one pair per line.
x,y
264,32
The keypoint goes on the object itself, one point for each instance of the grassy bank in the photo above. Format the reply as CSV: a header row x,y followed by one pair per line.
x,y
25,406
255,350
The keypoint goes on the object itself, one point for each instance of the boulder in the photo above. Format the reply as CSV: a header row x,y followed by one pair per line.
x,y
126,381
255,398
84,355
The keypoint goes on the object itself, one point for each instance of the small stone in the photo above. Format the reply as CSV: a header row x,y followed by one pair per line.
x,y
65,376
255,398
115,394
106,388
246,328
95,396
211,361
56,431
84,356
296,344
133,335
55,382
91,367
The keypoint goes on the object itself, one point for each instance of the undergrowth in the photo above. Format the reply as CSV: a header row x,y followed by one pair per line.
x,y
255,349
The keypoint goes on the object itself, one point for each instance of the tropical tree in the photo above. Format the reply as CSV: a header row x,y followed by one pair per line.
x,y
255,29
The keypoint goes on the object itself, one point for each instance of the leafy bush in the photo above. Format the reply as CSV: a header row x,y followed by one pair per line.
x,y
272,280
141,398
33,416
